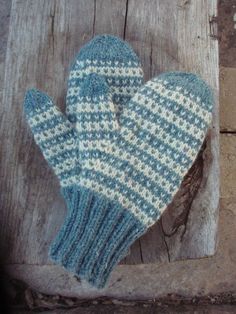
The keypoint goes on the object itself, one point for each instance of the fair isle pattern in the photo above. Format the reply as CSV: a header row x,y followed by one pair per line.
x,y
55,134
127,180
124,82
104,63
112,59
118,65
95,92
146,123
52,132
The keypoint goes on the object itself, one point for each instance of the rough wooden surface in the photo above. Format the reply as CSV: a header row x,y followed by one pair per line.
x,y
23,297
227,32
227,100
4,26
190,278
218,309
44,37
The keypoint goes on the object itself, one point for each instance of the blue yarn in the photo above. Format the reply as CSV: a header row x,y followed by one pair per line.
x,y
171,129
35,101
108,47
182,112
195,86
88,234
94,85
105,51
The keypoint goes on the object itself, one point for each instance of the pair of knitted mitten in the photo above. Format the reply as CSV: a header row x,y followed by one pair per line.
x,y
122,172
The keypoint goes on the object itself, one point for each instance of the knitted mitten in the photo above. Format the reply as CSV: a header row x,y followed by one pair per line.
x,y
127,181
119,68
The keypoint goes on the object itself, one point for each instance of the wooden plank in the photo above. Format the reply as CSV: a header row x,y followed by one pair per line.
x,y
228,100
228,165
44,37
227,32
109,17
4,27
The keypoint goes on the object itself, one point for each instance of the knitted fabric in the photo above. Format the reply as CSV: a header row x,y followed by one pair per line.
x,y
113,59
128,180
116,63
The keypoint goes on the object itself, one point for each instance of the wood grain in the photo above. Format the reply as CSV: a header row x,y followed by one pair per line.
x,y
44,37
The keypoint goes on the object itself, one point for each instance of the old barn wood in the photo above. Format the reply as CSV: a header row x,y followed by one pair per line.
x,y
44,36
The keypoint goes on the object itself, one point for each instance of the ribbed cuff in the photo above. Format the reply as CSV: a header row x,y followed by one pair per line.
x,y
95,236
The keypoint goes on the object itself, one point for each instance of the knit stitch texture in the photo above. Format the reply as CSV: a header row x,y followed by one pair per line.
x,y
111,58
113,75
128,179
118,65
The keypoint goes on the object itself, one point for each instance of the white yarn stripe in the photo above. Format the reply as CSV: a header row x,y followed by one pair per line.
x,y
163,91
157,131
73,91
54,150
169,140
174,143
74,180
125,202
154,153
107,71
59,130
67,165
126,156
191,153
110,193
109,171
89,108
166,115
124,90
117,63
100,126
45,116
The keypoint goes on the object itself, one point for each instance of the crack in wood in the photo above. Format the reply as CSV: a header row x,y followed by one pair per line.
x,y
52,17
183,4
150,59
94,16
141,253
126,15
164,239
227,132
213,22
184,198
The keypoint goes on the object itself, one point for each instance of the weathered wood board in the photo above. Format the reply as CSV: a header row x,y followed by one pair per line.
x,y
44,37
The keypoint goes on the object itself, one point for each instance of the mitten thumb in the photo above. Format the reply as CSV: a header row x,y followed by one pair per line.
x,y
52,131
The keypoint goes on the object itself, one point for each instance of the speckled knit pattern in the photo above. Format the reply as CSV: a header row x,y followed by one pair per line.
x,y
111,58
118,65
127,180
120,76
120,152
